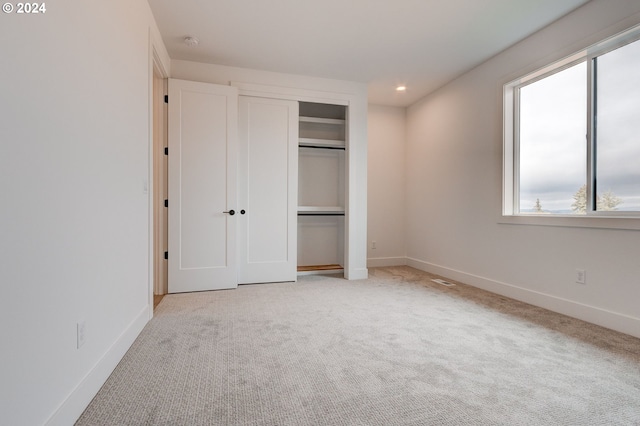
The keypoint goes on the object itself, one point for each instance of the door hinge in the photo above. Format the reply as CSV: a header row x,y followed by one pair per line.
x,y
166,203
166,150
166,99
166,255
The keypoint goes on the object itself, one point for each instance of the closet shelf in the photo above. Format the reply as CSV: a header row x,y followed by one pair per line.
x,y
320,210
304,119
319,269
321,143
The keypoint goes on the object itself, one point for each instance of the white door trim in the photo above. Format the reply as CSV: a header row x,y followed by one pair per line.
x,y
155,62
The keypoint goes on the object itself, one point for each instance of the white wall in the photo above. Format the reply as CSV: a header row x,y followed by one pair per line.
x,y
265,83
386,177
74,221
454,172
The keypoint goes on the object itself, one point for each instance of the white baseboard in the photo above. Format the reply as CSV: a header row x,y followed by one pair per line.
x,y
374,262
73,406
602,317
356,273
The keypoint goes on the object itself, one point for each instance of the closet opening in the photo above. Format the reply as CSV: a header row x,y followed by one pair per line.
x,y
322,163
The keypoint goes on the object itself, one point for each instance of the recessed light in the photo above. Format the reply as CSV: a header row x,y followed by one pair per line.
x,y
401,88
191,41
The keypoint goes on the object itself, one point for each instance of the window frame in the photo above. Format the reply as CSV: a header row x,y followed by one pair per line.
x,y
511,154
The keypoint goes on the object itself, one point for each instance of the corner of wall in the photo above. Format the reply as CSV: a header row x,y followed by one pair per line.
x,y
76,402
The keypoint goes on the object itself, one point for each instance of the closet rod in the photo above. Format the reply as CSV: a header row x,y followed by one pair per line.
x,y
322,147
320,214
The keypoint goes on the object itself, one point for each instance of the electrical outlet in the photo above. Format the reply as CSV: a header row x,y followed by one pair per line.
x,y
581,276
373,245
81,333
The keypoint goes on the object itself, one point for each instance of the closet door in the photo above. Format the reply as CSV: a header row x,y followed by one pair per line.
x,y
203,122
268,188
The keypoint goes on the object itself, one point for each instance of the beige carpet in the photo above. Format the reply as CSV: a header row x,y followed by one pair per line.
x,y
396,349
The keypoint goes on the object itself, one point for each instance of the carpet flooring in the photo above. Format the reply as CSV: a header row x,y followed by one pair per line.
x,y
396,349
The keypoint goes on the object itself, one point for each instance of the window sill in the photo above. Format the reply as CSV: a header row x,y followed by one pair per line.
x,y
599,222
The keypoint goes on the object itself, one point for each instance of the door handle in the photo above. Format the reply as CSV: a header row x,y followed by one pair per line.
x,y
231,212
242,211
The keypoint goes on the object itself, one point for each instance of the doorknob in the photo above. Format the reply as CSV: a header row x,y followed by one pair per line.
x,y
231,212
242,211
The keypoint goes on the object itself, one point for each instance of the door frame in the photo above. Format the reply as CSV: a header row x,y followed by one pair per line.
x,y
355,232
156,66
159,186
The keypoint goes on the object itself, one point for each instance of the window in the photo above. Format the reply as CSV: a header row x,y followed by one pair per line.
x,y
572,134
553,152
617,130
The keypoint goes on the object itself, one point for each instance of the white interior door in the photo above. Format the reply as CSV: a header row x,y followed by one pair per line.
x,y
203,122
268,190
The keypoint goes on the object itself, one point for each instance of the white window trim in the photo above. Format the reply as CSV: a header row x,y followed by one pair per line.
x,y
510,208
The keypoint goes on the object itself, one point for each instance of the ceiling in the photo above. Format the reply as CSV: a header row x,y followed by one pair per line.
x,y
422,44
